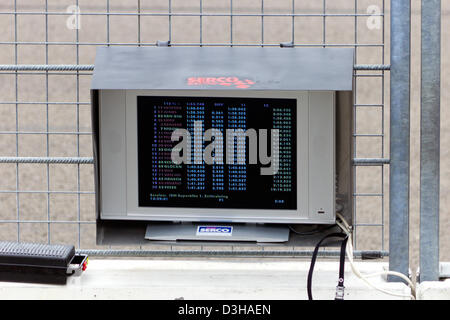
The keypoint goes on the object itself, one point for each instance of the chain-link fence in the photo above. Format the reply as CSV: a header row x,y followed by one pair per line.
x,y
46,186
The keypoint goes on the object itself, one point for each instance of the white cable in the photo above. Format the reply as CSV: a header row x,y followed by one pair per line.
x,y
349,250
347,226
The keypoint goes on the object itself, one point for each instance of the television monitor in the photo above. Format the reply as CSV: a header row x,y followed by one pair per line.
x,y
219,137
217,156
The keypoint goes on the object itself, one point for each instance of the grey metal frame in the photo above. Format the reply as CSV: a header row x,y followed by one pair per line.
x,y
399,163
399,136
430,140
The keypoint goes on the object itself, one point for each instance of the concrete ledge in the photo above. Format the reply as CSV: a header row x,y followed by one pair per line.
x,y
219,279
444,269
433,290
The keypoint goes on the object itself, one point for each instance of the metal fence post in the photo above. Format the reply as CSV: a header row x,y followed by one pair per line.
x,y
399,137
429,140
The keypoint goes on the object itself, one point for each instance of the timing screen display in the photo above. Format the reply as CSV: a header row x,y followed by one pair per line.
x,y
203,152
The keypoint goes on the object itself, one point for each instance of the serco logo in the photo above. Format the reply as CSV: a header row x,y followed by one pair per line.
x,y
214,230
220,81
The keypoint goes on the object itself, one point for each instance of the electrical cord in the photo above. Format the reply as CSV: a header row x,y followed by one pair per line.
x,y
349,250
340,287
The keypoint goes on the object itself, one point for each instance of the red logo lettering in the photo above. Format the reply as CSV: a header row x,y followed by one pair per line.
x,y
222,81
194,81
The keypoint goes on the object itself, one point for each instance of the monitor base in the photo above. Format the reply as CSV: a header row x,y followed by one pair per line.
x,y
217,232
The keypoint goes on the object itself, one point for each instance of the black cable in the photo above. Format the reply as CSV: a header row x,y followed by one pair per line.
x,y
309,233
340,287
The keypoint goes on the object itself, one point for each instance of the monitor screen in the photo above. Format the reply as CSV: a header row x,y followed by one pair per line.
x,y
205,152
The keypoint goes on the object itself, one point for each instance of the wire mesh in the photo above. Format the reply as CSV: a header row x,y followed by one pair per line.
x,y
47,53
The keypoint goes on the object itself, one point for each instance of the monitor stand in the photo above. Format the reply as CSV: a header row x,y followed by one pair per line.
x,y
217,232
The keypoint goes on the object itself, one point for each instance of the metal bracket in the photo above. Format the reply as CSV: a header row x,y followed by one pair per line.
x,y
161,43
286,45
